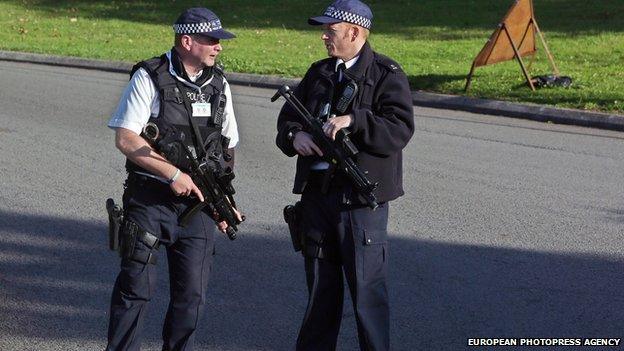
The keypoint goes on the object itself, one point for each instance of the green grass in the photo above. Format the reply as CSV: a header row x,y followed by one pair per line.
x,y
434,40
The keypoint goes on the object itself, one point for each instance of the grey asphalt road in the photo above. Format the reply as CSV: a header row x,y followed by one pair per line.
x,y
508,228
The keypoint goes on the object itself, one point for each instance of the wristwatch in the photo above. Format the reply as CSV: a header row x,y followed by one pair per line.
x,y
175,176
291,134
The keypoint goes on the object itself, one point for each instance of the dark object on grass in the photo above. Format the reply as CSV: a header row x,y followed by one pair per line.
x,y
551,81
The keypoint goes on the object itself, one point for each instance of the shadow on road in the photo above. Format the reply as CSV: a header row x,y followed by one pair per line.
x,y
56,275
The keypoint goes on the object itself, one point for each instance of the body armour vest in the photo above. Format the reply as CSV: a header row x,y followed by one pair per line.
x,y
180,102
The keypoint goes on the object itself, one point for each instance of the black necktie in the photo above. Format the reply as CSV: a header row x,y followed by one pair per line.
x,y
340,71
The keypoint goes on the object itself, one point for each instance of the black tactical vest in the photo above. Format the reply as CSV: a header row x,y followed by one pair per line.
x,y
176,108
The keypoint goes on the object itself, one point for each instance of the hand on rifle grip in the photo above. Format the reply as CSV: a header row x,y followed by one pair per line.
x,y
305,146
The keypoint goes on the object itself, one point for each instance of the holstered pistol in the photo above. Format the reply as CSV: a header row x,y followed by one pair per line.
x,y
115,220
292,216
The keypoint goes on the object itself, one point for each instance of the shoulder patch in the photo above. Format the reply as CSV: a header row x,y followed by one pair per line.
x,y
388,64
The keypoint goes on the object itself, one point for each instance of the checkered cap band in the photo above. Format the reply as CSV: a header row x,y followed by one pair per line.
x,y
348,17
192,28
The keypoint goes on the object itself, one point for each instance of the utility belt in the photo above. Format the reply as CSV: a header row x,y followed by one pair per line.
x,y
136,180
124,235
325,180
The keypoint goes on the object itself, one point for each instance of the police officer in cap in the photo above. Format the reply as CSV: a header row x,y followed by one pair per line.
x,y
174,91
342,234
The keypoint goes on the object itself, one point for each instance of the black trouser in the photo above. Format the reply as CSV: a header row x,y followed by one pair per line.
x,y
189,255
353,241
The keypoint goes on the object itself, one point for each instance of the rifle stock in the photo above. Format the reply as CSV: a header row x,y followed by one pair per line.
x,y
190,212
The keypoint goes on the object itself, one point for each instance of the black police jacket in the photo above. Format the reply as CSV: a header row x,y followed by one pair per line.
x,y
383,119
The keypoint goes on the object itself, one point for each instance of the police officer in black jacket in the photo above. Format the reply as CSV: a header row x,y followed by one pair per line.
x,y
182,90
341,233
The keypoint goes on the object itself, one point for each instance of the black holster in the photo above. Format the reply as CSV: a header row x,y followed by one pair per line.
x,y
292,216
115,219
124,234
130,236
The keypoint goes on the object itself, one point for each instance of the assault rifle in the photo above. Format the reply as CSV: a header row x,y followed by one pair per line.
x,y
214,181
337,153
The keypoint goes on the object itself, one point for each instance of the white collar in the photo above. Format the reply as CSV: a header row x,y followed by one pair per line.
x,y
348,64
173,73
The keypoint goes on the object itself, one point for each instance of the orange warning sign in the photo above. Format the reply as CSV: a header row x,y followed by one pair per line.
x,y
514,38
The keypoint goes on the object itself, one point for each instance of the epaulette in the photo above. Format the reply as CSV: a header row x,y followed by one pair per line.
x,y
321,62
149,65
388,63
218,69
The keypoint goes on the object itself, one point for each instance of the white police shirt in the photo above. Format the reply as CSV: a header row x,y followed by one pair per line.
x,y
140,101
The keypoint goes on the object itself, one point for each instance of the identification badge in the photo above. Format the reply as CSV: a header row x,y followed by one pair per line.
x,y
201,109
